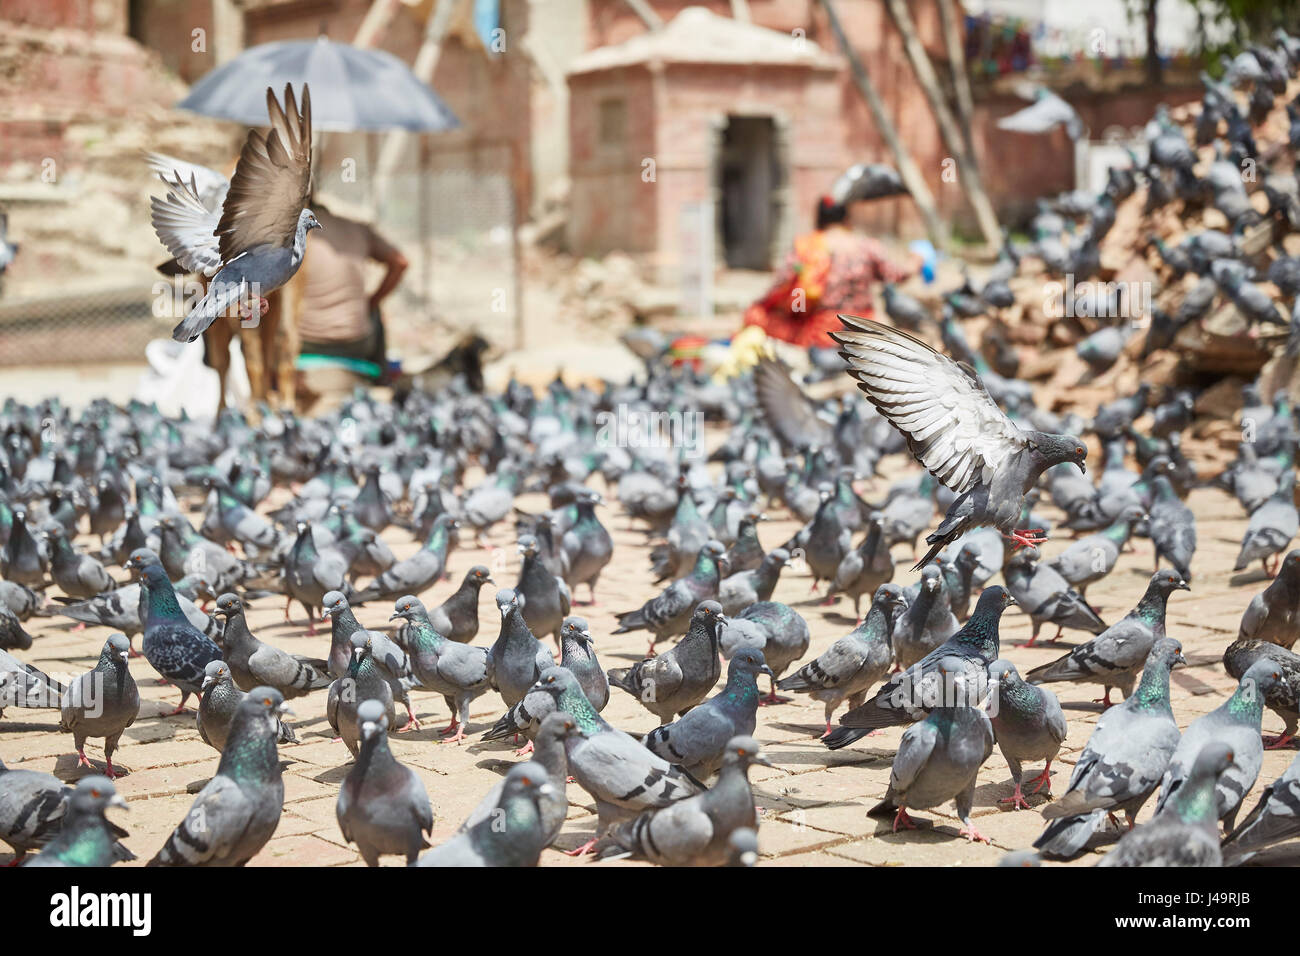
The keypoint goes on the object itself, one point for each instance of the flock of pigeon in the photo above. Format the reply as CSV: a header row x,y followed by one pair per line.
x,y
212,518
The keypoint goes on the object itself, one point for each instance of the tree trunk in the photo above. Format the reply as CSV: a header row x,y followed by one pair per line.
x,y
1155,72
907,168
954,42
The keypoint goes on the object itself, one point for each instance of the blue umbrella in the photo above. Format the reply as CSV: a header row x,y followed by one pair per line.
x,y
352,89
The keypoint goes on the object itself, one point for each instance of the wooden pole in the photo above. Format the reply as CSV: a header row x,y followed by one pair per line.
x,y
953,41
966,165
907,168
740,11
374,23
647,14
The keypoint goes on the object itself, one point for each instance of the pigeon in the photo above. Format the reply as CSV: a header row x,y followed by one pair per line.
x,y
1091,558
959,580
254,242
586,544
173,646
1183,832
1121,764
517,657
1046,112
854,663
367,678
623,776
939,758
864,569
418,573
86,837
863,182
710,829
1274,614
31,809
670,612
697,741
23,560
902,699
1236,723
457,617
1283,695
927,622
1047,597
457,671
744,588
905,311
954,429
776,629
22,685
1115,656
553,734
1271,528
102,702
513,834
12,634
237,811
578,654
343,624
545,597
676,681
1172,527
78,576
1029,726
310,574
254,664
382,806
1276,817
218,704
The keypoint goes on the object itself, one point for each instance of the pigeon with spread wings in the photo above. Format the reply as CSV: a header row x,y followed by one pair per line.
x,y
953,428
248,238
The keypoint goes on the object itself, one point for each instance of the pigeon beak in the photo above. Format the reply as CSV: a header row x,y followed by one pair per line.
x,y
117,800
760,759
768,671
1083,469
1179,659
546,790
368,729
284,708
125,655
326,615
1012,601
396,615
1183,586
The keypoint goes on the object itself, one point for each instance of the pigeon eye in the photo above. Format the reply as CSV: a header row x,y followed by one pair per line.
x,y
266,701
94,793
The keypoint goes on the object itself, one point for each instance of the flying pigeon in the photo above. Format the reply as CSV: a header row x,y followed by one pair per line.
x,y
254,241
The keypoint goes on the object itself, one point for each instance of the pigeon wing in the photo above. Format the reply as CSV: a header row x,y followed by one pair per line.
x,y
186,227
272,180
951,423
787,409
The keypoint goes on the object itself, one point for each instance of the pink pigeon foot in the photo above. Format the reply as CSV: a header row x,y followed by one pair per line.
x,y
1278,742
901,819
582,850
525,749
1044,779
1017,800
970,833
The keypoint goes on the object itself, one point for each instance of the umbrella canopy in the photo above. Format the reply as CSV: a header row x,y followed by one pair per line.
x,y
352,89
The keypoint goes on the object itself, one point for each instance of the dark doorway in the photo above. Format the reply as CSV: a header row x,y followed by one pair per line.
x,y
748,179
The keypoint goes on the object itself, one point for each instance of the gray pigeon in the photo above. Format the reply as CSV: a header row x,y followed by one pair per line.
x,y
697,740
512,834
383,806
237,811
174,647
311,574
420,571
927,622
1283,695
1047,597
578,654
676,681
1276,817
87,837
12,634
624,777
856,662
1121,764
1271,528
866,567
218,704
457,671
1029,726
367,679
254,664
553,733
1115,656
102,703
1172,528
22,685
31,809
939,758
954,428
1184,831
77,575
670,612
1235,722
700,830
517,657
738,591
776,629
587,544
254,241
545,597
457,617
1092,558
1274,614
